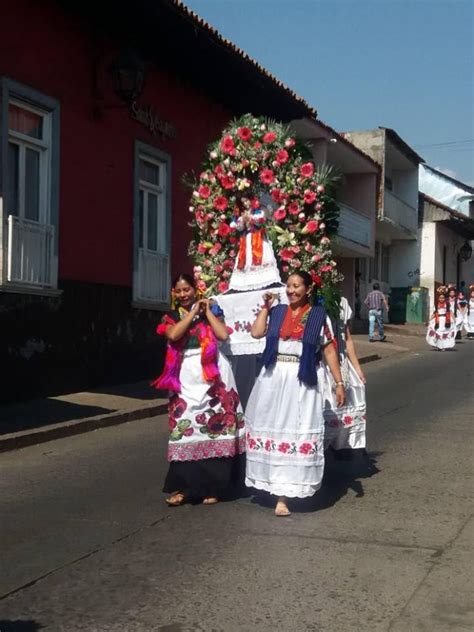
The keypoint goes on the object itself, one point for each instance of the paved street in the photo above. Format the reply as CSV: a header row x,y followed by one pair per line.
x,y
88,543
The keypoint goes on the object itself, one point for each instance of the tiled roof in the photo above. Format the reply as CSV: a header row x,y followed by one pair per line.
x,y
443,207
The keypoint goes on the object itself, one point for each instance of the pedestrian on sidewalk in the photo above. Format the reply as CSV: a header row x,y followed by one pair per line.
x,y
345,425
205,416
284,415
375,301
441,332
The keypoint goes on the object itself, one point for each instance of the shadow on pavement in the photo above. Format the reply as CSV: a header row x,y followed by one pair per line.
x,y
343,469
44,412
19,626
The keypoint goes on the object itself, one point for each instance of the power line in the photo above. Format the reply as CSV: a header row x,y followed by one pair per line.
x,y
451,142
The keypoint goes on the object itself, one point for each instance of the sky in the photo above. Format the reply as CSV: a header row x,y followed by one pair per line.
x,y
404,64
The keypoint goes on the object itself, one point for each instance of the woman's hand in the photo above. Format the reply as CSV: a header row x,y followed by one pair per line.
x,y
360,373
268,299
340,395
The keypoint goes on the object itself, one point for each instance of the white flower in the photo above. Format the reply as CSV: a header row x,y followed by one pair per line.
x,y
191,209
213,155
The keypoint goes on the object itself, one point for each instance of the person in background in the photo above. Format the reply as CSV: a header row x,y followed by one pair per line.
x,y
375,302
469,314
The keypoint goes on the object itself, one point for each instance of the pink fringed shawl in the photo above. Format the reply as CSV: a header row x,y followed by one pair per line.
x,y
169,379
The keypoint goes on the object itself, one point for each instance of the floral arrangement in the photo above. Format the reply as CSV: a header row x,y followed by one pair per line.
x,y
256,177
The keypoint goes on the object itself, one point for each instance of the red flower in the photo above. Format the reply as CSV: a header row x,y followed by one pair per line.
x,y
220,203
293,208
268,445
223,230
172,424
311,227
218,170
255,203
245,133
227,145
347,420
269,137
251,443
223,286
276,195
307,170
305,448
284,447
201,419
279,214
266,176
176,407
286,254
204,191
229,419
309,197
257,145
316,278
188,432
227,182
282,157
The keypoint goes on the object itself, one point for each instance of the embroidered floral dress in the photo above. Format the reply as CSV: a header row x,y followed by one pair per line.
x,y
205,423
284,422
345,426
439,334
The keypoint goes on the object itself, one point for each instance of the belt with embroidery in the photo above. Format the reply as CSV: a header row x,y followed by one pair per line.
x,y
281,357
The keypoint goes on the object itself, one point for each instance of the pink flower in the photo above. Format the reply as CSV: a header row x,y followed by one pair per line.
x,y
204,191
244,133
223,230
223,286
347,420
285,268
266,176
201,285
218,170
311,227
282,157
276,195
220,203
307,170
251,443
268,445
279,214
227,182
227,144
290,142
228,263
309,197
284,447
201,419
188,432
257,145
218,269
316,258
293,208
305,448
269,137
201,249
215,248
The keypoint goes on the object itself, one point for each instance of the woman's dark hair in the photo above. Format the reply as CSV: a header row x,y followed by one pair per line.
x,y
304,276
184,276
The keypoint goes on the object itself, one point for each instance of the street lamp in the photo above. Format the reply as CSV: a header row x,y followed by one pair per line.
x,y
128,76
465,251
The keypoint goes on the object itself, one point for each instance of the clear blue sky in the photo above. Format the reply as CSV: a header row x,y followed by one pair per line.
x,y
405,64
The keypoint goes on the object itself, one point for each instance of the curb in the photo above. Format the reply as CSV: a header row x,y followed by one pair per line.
x,y
23,439
17,440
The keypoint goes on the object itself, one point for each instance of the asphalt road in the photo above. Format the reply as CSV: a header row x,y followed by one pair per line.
x,y
88,543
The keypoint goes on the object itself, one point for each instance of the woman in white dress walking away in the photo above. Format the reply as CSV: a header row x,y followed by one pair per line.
x,y
284,415
469,314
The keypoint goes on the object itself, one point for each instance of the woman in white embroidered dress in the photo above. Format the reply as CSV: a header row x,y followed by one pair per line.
x,y
441,332
205,417
284,415
469,314
345,426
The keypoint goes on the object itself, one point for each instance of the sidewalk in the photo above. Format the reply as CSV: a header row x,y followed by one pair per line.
x,y
40,420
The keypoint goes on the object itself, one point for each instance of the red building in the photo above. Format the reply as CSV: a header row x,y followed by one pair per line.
x,y
93,211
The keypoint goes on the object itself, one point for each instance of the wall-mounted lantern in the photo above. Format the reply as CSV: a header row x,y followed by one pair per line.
x,y
465,251
128,76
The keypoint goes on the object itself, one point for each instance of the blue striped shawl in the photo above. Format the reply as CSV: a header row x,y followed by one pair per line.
x,y
311,355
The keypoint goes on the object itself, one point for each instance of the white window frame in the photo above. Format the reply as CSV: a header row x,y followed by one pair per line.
x,y
155,156
27,98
